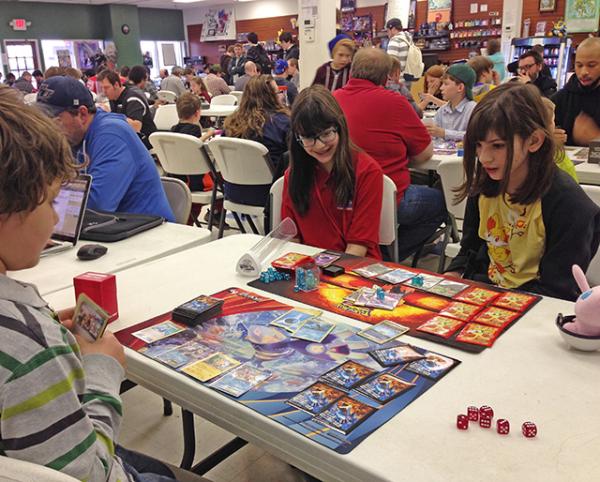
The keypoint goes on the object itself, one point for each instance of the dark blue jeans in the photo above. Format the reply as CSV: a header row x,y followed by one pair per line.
x,y
420,213
144,468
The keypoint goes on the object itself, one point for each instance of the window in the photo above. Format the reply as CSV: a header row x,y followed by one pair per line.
x,y
21,57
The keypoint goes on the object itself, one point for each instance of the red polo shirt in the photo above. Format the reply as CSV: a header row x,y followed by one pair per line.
x,y
328,226
384,124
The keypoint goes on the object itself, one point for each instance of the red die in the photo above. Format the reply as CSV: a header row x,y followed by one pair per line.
x,y
485,422
462,422
529,429
502,426
473,413
485,411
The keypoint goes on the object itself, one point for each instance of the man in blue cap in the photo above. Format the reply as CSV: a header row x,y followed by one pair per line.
x,y
124,177
280,73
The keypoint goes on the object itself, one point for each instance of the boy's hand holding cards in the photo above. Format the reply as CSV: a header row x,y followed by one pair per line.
x,y
196,311
89,320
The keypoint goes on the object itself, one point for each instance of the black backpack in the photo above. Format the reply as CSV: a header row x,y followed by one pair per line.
x,y
259,56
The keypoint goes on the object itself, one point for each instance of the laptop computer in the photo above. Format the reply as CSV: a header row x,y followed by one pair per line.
x,y
70,206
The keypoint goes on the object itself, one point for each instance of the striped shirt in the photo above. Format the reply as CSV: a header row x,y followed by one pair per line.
x,y
398,47
57,408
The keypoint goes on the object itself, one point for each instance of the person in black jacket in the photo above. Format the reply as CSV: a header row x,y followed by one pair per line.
x,y
530,69
520,229
257,54
236,66
578,102
290,49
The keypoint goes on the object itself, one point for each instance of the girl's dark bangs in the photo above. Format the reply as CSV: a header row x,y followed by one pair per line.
x,y
310,120
490,119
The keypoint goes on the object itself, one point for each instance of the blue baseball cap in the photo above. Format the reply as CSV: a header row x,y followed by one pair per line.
x,y
59,93
280,66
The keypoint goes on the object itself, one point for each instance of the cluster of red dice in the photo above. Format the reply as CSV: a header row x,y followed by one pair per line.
x,y
484,416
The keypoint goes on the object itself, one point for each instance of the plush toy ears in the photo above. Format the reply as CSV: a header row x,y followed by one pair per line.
x,y
579,276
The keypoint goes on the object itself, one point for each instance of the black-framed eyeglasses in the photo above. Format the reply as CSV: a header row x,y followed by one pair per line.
x,y
524,68
327,136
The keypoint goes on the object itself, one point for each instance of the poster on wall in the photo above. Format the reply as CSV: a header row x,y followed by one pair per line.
x,y
85,52
582,15
218,24
412,14
64,57
439,10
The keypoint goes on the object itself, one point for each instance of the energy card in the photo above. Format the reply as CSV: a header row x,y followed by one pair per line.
x,y
326,258
158,331
514,301
292,320
345,414
396,276
441,326
433,365
448,288
395,355
347,375
316,398
424,281
479,296
383,332
89,319
210,367
478,334
314,329
372,270
184,354
240,380
496,317
290,261
384,387
460,311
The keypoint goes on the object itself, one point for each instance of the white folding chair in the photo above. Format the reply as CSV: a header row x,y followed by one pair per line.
x,y
241,162
166,117
224,99
388,223
179,197
184,155
167,96
593,271
12,469
238,95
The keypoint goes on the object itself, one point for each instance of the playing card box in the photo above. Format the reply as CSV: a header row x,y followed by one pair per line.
x,y
198,310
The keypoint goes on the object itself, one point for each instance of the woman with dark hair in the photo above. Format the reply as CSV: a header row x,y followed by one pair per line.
x,y
332,190
261,117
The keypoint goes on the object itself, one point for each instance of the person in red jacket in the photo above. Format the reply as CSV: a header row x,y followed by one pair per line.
x,y
332,191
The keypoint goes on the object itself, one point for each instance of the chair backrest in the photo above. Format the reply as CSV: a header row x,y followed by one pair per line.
x,y
452,175
30,99
275,200
180,154
166,117
21,471
238,95
593,271
241,161
179,197
167,95
224,99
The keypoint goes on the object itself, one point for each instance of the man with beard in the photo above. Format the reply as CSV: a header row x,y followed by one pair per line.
x,y
530,69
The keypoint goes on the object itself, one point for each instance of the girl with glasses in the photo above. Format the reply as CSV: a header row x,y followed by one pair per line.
x,y
332,190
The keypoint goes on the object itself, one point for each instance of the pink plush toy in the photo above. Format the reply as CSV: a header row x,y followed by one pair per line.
x,y
587,307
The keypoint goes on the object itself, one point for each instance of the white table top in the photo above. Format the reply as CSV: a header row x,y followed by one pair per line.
x,y
219,110
529,374
56,271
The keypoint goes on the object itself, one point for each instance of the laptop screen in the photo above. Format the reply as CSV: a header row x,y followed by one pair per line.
x,y
70,205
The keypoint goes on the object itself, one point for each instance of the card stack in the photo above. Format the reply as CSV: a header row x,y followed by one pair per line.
x,y
197,310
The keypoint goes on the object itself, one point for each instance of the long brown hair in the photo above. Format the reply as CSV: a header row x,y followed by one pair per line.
x,y
314,111
258,104
509,111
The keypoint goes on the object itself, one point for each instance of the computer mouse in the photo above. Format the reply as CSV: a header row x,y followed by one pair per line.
x,y
91,251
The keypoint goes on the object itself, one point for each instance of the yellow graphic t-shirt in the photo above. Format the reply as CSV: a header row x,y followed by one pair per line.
x,y
515,237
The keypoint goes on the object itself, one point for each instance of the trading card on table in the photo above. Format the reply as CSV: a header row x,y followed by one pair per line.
x,y
479,296
345,414
396,276
158,332
363,296
292,320
424,281
325,258
383,332
314,329
448,288
89,319
347,375
433,365
478,334
210,367
460,311
184,354
197,310
290,261
395,355
384,387
240,380
316,398
389,301
496,317
372,270
514,301
441,326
